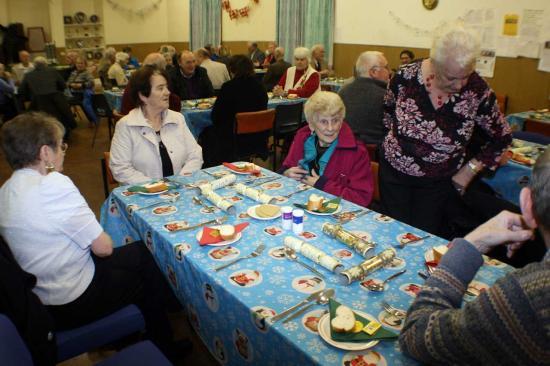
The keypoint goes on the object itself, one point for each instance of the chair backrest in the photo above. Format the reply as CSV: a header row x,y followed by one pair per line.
x,y
532,125
373,151
374,171
254,122
101,106
288,118
109,175
502,100
13,350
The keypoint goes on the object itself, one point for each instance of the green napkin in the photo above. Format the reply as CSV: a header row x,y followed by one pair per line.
x,y
328,206
381,333
141,188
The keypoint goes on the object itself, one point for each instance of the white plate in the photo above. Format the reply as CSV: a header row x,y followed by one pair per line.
x,y
242,163
324,213
252,213
221,243
324,332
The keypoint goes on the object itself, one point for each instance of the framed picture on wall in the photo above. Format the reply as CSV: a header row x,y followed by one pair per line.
x,y
37,39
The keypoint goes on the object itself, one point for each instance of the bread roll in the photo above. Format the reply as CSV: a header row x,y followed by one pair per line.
x,y
344,321
227,232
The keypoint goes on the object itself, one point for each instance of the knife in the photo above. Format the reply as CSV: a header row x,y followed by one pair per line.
x,y
313,297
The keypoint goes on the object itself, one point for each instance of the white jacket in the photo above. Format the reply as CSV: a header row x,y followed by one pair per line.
x,y
135,156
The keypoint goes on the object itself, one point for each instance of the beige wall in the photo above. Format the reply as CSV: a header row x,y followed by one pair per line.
x,y
32,13
260,25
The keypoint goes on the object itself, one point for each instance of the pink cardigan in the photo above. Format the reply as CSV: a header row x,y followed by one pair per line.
x,y
347,173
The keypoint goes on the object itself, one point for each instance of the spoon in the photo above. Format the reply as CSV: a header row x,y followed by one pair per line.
x,y
379,287
291,254
198,201
323,299
170,200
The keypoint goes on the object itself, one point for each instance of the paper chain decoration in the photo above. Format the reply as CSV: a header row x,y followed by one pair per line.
x,y
237,13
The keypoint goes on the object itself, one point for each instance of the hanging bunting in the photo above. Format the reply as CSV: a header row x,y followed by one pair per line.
x,y
135,11
243,12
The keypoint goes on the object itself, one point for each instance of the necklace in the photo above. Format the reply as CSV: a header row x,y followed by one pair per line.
x,y
440,98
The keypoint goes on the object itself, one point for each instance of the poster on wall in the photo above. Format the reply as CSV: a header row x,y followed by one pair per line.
x,y
544,62
485,63
482,22
510,27
530,32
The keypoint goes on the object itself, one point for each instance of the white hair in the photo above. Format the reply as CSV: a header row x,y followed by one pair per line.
x,y
324,103
366,61
109,52
316,48
121,56
279,52
302,52
40,60
453,41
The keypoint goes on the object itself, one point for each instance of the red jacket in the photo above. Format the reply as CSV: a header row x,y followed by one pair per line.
x,y
347,174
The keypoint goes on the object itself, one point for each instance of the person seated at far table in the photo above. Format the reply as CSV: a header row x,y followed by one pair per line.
x,y
276,70
243,93
152,141
217,72
270,55
506,324
157,60
190,81
133,62
24,66
81,84
104,65
8,106
326,155
300,79
364,97
54,235
116,73
318,61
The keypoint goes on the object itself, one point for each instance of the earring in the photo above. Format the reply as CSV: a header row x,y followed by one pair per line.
x,y
50,168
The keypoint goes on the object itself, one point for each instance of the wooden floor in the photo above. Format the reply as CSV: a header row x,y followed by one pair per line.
x,y
82,165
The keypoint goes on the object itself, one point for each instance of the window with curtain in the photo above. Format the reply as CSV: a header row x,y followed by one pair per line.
x,y
205,23
305,23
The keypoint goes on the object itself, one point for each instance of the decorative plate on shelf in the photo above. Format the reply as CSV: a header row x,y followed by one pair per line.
x,y
67,19
80,17
94,18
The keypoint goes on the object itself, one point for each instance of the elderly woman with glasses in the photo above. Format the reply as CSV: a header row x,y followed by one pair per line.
x,y
301,79
432,109
326,155
53,234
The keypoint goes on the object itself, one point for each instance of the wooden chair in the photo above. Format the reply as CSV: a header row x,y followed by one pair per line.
x,y
502,100
374,171
109,181
257,125
540,127
373,151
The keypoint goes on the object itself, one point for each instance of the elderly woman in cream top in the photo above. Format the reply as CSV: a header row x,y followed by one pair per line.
x,y
300,79
152,141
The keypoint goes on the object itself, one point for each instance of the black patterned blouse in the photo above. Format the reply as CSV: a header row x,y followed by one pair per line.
x,y
423,141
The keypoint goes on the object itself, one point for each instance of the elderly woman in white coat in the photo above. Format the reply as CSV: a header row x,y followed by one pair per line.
x,y
152,141
301,79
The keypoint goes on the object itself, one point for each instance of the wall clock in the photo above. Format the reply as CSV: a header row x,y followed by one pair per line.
x,y
429,4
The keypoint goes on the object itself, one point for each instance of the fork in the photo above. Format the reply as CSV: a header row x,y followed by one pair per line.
x,y
298,191
218,221
171,200
265,180
257,252
393,311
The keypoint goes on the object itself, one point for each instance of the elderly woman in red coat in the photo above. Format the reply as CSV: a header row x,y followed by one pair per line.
x,y
326,155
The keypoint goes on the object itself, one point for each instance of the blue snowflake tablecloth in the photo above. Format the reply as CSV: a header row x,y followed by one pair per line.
x,y
227,308
197,119
517,120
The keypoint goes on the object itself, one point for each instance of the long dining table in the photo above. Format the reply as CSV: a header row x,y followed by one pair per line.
x,y
230,309
197,119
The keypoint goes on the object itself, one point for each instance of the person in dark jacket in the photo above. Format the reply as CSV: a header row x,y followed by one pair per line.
x,y
44,87
243,93
364,97
190,81
276,70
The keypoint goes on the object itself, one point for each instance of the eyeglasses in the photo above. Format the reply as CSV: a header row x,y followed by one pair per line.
x,y
64,146
381,67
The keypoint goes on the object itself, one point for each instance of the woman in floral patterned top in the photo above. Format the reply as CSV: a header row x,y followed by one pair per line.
x,y
431,110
